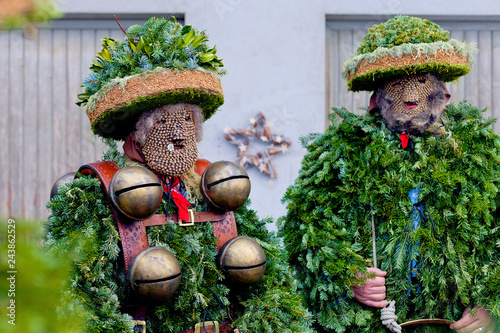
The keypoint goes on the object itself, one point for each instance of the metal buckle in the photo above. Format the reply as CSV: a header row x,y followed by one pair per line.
x,y
140,326
199,326
187,223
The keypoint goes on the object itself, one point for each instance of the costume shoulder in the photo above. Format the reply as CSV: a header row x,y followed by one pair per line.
x,y
358,166
321,242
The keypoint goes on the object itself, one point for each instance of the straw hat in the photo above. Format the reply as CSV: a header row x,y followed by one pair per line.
x,y
157,64
406,45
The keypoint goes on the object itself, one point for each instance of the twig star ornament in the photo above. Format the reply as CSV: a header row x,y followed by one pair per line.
x,y
258,132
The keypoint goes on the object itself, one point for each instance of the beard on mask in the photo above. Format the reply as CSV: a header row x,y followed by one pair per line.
x,y
412,103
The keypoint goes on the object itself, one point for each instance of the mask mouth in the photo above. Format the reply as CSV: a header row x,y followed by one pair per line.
x,y
177,145
173,147
410,105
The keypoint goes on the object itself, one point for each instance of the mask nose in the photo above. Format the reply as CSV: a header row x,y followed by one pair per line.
x,y
178,132
409,95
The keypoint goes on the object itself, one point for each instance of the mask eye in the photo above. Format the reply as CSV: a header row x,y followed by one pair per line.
x,y
396,85
188,117
161,121
421,80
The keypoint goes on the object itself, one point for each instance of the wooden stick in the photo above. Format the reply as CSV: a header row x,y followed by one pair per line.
x,y
374,241
116,19
428,321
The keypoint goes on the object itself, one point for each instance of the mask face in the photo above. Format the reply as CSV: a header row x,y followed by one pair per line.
x,y
170,148
410,104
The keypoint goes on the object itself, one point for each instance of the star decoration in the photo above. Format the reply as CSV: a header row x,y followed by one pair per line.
x,y
258,132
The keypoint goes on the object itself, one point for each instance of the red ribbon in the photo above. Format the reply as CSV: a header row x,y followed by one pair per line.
x,y
404,139
180,201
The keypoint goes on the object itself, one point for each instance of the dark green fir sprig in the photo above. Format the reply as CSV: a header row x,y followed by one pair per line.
x,y
81,221
159,43
358,167
401,30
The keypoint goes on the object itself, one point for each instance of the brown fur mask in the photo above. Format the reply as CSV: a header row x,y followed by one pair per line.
x,y
412,103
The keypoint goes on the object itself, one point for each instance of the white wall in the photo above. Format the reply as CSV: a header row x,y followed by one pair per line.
x,y
274,52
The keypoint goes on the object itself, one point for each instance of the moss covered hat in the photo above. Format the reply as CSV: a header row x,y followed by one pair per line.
x,y
406,45
157,64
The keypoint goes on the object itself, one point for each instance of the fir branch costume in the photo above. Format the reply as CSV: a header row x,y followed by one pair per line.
x,y
82,219
358,171
357,162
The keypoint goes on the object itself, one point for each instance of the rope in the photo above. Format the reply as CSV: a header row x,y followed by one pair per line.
x,y
387,314
389,318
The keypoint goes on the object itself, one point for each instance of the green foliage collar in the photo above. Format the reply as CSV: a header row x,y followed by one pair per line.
x,y
356,168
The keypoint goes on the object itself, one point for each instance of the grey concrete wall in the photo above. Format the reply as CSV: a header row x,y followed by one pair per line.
x,y
274,52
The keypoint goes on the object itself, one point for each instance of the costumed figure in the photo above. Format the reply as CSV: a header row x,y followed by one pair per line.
x,y
164,241
393,222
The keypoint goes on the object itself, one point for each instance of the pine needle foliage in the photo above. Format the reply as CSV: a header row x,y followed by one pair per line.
x,y
159,43
358,164
401,30
411,37
80,211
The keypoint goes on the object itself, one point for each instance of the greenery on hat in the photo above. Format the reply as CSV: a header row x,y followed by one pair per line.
x,y
402,30
159,43
407,36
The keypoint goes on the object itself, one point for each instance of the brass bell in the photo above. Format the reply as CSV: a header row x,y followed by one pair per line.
x,y
135,192
67,178
154,275
225,185
242,259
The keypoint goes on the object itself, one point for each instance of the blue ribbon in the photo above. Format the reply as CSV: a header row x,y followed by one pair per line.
x,y
413,194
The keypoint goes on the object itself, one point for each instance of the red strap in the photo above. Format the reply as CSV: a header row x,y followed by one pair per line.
x,y
225,229
132,234
199,217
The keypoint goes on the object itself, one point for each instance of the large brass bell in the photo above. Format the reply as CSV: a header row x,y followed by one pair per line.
x,y
154,275
242,259
67,178
225,185
135,192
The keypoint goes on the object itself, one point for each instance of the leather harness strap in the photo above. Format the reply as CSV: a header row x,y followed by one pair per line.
x,y
224,223
160,219
223,328
133,232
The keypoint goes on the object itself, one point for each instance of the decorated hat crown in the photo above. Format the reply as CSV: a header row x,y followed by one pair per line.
x,y
156,64
406,45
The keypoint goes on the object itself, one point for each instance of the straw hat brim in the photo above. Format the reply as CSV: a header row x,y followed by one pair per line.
x,y
447,65
114,110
